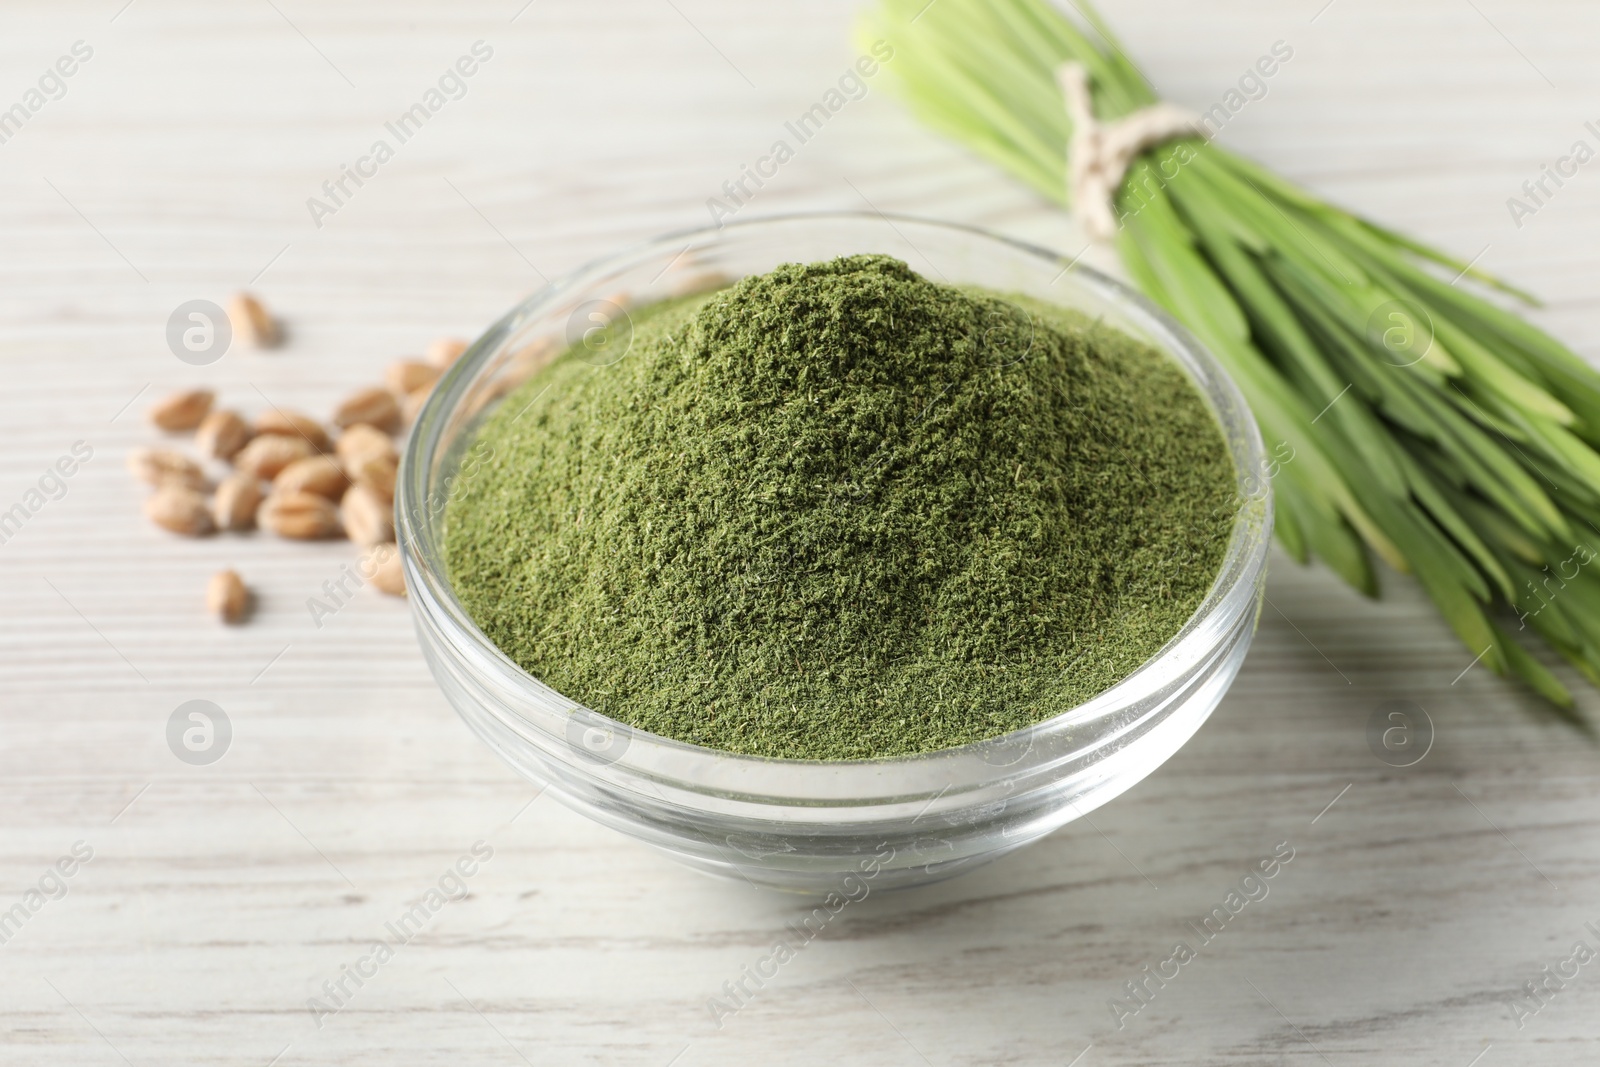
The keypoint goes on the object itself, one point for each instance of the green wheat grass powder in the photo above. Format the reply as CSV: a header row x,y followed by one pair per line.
x,y
840,511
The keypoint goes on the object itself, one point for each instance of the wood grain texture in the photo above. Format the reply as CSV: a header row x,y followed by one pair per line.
x,y
218,899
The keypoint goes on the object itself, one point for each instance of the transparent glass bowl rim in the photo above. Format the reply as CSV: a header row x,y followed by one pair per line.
x,y
1232,592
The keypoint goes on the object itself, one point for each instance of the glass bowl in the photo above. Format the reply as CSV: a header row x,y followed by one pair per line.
x,y
817,827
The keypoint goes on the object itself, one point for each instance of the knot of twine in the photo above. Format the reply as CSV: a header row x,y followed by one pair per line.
x,y
1099,154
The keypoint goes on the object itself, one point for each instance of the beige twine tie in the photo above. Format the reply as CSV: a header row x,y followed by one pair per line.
x,y
1099,154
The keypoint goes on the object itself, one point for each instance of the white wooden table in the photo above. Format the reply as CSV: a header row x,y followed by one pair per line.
x,y
177,166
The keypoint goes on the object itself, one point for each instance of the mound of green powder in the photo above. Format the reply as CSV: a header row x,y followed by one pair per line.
x,y
839,511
